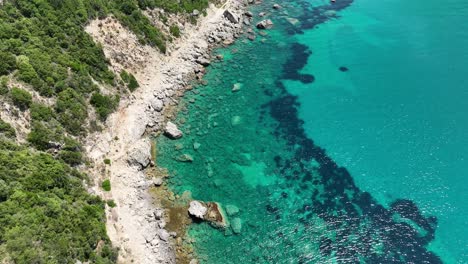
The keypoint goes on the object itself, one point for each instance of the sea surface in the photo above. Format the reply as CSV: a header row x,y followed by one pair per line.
x,y
341,136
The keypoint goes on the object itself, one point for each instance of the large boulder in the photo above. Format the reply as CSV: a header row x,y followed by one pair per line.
x,y
216,215
172,131
265,24
233,18
197,209
184,158
157,104
140,154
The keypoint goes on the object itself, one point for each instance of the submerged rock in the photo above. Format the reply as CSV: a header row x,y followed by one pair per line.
x,y
265,24
236,87
196,145
185,158
197,209
235,120
236,225
172,131
232,209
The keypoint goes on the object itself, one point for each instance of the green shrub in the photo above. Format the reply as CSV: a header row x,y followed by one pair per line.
x,y
106,185
111,203
175,31
7,130
104,104
21,98
40,136
129,80
26,71
46,214
4,85
40,112
72,158
107,161
133,84
71,111
8,63
125,76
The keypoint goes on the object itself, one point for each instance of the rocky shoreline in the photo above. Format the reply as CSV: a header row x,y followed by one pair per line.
x,y
138,223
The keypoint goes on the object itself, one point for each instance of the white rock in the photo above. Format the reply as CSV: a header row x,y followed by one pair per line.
x,y
163,235
157,104
172,131
197,209
140,154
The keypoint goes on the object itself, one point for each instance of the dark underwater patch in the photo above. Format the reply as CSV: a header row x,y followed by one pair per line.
x,y
343,69
348,211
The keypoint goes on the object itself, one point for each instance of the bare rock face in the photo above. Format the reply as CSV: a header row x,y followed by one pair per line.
x,y
265,24
233,18
172,131
140,154
197,209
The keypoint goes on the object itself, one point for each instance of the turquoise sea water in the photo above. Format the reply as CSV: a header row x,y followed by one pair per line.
x,y
346,142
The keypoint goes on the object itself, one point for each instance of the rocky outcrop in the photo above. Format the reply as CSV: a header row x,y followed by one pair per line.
x,y
216,215
172,131
233,18
140,155
197,210
265,24
209,211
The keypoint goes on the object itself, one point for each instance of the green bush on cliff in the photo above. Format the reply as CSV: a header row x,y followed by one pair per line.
x,y
106,185
21,98
7,130
175,31
104,104
71,111
129,80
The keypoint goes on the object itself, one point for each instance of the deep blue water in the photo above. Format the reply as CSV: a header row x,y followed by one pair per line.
x,y
345,144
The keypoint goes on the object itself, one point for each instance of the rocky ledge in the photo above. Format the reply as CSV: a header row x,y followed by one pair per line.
x,y
211,212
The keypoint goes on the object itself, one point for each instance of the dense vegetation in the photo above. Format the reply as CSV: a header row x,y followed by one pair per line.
x,y
46,215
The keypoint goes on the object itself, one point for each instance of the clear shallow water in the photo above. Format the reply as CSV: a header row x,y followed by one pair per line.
x,y
297,204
